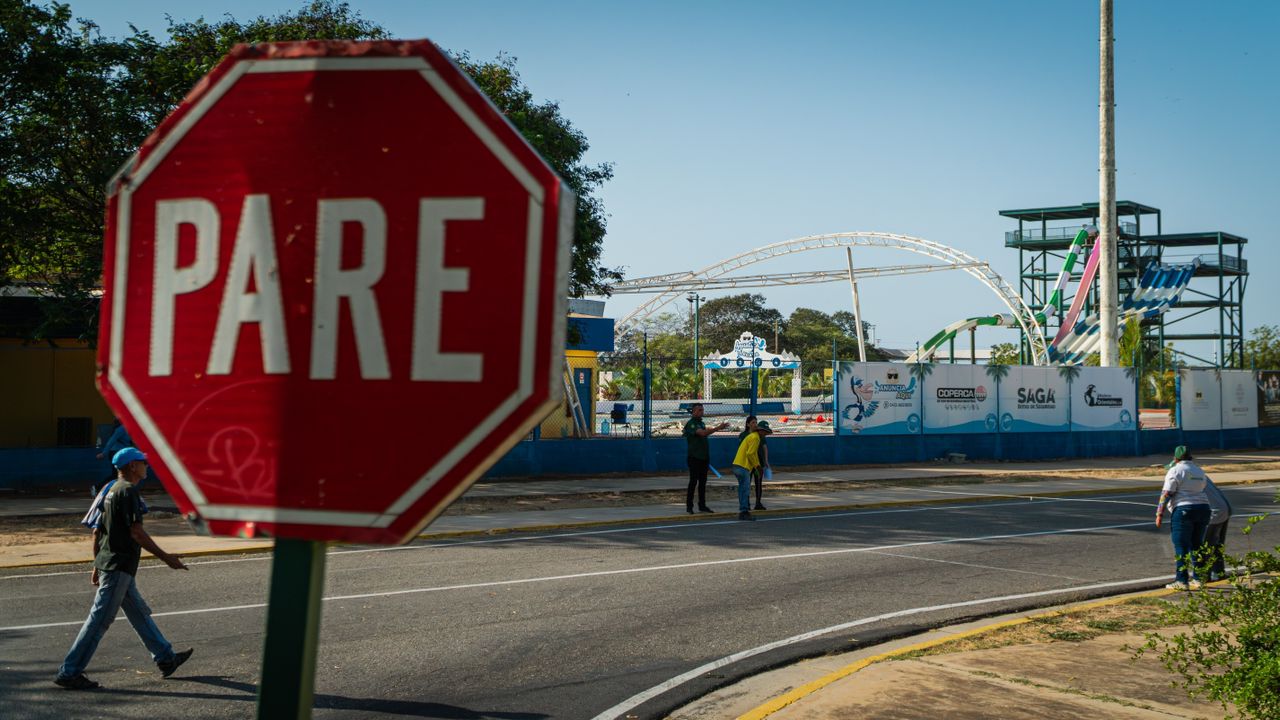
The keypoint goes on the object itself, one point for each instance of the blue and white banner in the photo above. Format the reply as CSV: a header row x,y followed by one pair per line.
x,y
1034,399
877,399
1103,399
1239,399
959,399
1199,400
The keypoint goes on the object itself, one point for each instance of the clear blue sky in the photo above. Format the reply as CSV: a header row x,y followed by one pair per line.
x,y
732,125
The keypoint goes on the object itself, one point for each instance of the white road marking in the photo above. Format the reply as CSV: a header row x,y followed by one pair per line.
x,y
645,528
819,515
624,571
978,567
640,698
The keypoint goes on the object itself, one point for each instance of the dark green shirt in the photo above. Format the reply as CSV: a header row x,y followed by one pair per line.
x,y
699,448
120,510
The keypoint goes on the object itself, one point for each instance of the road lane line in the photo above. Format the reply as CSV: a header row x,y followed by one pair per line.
x,y
625,571
644,528
978,567
576,533
640,698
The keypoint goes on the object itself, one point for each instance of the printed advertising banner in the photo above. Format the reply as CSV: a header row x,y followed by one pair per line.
x,y
1199,400
1102,399
959,399
1239,400
877,399
1269,398
1034,399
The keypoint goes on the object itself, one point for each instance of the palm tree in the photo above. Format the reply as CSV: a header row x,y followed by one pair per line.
x,y
920,371
997,372
1069,373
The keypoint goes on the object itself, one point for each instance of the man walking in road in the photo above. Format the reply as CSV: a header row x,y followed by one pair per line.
x,y
117,547
699,457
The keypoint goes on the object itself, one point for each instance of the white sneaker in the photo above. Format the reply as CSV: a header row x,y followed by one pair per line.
x,y
1195,585
1175,585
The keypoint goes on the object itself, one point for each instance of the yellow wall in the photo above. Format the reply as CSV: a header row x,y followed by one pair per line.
x,y
40,383
560,422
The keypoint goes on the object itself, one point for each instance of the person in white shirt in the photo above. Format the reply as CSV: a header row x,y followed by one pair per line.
x,y
1184,490
1215,538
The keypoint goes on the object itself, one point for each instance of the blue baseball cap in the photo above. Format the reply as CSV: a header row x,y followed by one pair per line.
x,y
126,456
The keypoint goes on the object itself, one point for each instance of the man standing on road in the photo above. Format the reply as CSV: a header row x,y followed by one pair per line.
x,y
699,457
117,547
1184,487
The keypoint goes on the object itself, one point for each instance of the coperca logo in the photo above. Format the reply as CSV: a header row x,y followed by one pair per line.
x,y
959,394
980,393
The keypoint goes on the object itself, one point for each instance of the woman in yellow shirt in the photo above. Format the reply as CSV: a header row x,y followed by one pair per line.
x,y
745,462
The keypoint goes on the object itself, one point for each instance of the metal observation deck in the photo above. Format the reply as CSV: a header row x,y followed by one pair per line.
x,y
1044,234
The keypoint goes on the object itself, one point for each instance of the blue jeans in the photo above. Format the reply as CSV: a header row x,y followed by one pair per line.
x,y
1187,529
744,488
116,590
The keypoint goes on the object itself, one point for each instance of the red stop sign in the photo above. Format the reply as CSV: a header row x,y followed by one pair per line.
x,y
333,291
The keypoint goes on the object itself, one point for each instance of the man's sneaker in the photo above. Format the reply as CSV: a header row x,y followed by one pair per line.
x,y
746,516
76,682
1215,577
761,507
705,509
1175,585
168,667
1194,585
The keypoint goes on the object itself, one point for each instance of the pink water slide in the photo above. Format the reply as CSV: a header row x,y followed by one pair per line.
x,y
1082,291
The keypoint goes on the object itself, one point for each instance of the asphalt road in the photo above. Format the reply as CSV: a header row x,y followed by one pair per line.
x,y
631,619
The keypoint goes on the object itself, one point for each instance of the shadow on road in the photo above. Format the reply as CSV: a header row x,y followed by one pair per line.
x,y
410,708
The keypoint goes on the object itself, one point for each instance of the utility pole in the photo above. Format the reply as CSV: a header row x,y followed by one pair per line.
x,y
775,335
1107,236
695,300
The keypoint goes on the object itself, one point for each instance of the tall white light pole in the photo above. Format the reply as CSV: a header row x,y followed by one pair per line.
x,y
1107,281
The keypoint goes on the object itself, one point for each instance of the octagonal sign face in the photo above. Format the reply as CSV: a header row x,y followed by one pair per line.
x,y
333,291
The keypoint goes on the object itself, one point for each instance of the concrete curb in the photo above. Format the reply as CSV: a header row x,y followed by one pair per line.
x,y
791,697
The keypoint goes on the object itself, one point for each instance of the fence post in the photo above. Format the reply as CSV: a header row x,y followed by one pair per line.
x,y
646,405
755,389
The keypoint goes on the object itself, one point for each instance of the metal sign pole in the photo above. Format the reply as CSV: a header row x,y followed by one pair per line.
x,y
293,630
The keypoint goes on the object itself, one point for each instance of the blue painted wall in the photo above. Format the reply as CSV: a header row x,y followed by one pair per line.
x,y
27,469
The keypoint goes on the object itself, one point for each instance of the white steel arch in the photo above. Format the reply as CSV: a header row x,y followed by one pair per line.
x,y
971,265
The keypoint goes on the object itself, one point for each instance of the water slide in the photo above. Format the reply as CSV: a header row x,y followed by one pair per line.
x,y
1160,287
932,345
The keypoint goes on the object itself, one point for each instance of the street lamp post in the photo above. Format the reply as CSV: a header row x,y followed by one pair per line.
x,y
696,300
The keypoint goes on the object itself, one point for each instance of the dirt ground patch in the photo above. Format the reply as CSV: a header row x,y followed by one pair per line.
x,y
1139,615
67,528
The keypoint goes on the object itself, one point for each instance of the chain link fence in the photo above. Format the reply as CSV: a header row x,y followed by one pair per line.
x,y
621,395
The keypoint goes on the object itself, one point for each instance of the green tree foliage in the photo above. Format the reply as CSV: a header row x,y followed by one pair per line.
x,y
74,106
1004,354
71,111
563,146
724,319
810,334
1263,349
1231,651
669,335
